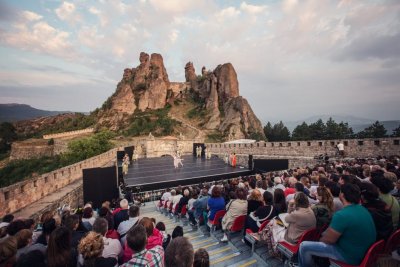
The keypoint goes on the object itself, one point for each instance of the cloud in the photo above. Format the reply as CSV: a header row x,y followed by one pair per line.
x,y
31,16
67,12
229,12
252,9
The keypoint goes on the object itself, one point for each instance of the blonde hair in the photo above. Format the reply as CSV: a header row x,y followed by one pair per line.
x,y
326,197
8,249
256,195
23,237
91,246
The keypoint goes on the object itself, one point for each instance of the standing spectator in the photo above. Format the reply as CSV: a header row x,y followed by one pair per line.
x,y
179,253
136,239
124,227
91,248
348,237
201,258
59,251
112,247
122,214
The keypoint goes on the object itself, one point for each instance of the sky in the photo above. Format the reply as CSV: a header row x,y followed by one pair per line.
x,y
294,58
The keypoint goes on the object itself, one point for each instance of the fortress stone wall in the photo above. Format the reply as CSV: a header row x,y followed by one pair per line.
x,y
68,134
22,194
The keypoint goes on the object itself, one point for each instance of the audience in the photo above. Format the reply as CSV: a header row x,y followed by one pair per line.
x,y
8,251
59,251
133,219
201,258
91,248
179,253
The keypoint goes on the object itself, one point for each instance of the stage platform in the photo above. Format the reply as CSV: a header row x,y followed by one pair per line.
x,y
157,173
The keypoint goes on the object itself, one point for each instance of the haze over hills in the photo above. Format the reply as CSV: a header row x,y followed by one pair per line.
x,y
16,112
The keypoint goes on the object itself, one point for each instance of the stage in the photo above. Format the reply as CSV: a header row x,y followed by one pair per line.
x,y
157,173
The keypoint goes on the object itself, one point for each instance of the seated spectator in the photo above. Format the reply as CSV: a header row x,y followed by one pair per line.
x,y
278,184
334,188
379,210
190,208
384,187
91,248
59,251
234,209
183,201
263,213
124,227
33,258
15,226
254,201
136,239
88,218
348,237
179,253
3,225
279,201
48,227
107,214
166,237
260,186
324,209
8,251
72,223
215,203
200,206
299,187
177,232
290,189
201,258
112,247
176,199
122,214
24,240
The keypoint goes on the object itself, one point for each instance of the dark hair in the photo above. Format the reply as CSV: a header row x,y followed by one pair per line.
x,y
280,200
87,212
334,177
179,253
133,211
268,197
369,192
71,221
241,193
148,224
103,212
384,185
29,223
136,238
322,180
348,179
33,258
178,231
301,200
201,258
333,187
59,247
8,218
252,182
299,187
15,226
160,226
216,191
351,193
100,226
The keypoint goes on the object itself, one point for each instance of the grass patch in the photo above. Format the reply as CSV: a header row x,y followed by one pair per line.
x,y
215,137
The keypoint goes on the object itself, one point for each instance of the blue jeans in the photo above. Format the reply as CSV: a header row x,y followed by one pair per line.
x,y
309,248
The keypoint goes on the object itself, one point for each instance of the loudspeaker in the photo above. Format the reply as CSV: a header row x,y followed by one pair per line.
x,y
250,162
99,185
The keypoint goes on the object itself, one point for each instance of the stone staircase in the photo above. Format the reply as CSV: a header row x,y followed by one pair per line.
x,y
233,253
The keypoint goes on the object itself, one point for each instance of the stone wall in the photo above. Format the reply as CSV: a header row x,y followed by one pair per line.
x,y
353,148
68,134
19,195
30,149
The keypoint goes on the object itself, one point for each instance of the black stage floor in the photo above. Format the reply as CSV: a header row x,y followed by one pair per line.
x,y
157,173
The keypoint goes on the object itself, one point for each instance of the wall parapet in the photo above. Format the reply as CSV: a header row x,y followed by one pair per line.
x,y
21,194
68,134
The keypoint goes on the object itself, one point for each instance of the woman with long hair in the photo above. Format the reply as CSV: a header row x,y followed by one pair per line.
x,y
325,208
279,201
59,251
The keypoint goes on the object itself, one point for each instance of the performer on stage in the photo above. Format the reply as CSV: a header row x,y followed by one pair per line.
x,y
125,164
177,161
198,151
234,160
205,152
226,156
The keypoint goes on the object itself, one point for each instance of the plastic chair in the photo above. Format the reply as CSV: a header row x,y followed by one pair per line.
x,y
217,220
238,224
251,239
289,250
393,242
369,259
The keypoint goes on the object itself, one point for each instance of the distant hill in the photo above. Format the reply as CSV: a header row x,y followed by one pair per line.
x,y
358,124
17,112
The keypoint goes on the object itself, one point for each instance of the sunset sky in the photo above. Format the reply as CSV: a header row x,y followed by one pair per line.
x,y
294,59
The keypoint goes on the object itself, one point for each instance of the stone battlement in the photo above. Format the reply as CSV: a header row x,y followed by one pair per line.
x,y
68,134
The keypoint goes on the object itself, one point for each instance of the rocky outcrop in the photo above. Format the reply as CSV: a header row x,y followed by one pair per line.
x,y
141,88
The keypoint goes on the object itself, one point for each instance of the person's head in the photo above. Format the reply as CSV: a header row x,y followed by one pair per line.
x,y
134,211
252,183
292,181
8,218
136,238
72,222
301,200
177,232
161,226
8,250
345,179
322,179
277,180
325,197
369,192
216,191
30,224
33,258
91,246
15,226
103,212
204,192
241,193
201,258
179,253
59,247
24,238
124,204
305,181
186,192
268,198
87,212
279,195
49,226
100,226
148,224
47,215
334,188
299,187
350,193
255,195
384,185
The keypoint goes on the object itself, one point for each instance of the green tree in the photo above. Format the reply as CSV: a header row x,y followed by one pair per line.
x,y
7,136
332,129
317,130
301,132
396,132
344,131
278,132
376,130
268,131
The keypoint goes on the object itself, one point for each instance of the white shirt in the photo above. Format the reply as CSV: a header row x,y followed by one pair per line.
x,y
340,146
190,203
166,196
175,200
112,248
